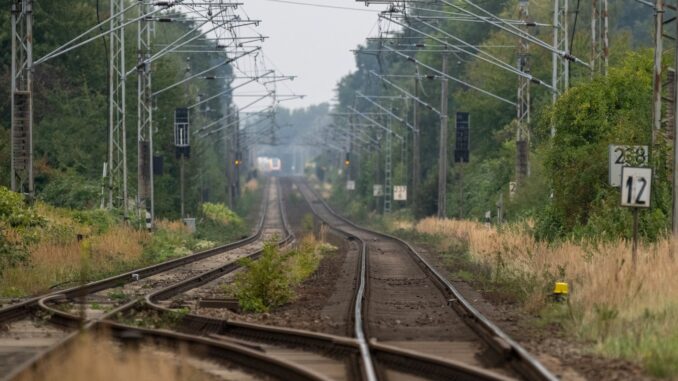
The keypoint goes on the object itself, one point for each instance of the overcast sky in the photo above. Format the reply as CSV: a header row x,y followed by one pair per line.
x,y
313,43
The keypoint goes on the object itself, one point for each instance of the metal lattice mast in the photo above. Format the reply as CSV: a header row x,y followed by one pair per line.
x,y
144,113
22,98
388,172
523,104
599,37
442,153
561,42
416,166
117,143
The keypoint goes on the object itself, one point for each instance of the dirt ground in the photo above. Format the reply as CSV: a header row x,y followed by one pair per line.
x,y
564,355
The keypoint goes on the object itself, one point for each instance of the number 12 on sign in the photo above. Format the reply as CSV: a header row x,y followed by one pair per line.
x,y
636,187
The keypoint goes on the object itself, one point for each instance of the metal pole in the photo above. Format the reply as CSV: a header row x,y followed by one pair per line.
x,y
606,36
634,251
657,79
182,184
388,171
594,36
442,154
416,155
144,116
117,142
523,109
675,149
22,98
461,190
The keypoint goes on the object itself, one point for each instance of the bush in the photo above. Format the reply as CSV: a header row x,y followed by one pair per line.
x,y
265,283
71,191
100,220
15,212
220,224
220,213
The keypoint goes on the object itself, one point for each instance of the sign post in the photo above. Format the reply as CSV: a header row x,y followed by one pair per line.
x,y
636,191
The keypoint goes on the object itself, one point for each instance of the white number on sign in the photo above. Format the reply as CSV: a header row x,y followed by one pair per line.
x,y
636,189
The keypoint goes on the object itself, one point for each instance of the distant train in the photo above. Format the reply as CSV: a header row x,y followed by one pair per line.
x,y
269,164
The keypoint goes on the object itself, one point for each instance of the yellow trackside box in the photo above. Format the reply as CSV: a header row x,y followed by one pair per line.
x,y
561,288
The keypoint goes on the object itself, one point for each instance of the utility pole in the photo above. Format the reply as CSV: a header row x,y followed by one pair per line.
x,y
674,122
442,154
561,42
599,37
523,115
117,142
388,171
416,155
228,142
145,116
657,78
237,159
22,98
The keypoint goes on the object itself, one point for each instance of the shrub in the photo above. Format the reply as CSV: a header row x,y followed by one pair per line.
x,y
265,283
220,213
15,212
71,191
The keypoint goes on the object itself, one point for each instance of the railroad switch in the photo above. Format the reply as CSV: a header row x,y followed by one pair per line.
x,y
561,291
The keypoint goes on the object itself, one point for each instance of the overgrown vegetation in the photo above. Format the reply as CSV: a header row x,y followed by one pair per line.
x,y
218,223
39,247
269,282
71,111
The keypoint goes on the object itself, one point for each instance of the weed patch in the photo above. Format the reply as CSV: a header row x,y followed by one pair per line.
x,y
269,281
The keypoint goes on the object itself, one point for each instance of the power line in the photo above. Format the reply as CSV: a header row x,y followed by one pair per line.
x,y
323,6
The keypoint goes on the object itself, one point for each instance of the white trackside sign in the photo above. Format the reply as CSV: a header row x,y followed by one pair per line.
x,y
636,187
625,156
378,190
400,193
350,185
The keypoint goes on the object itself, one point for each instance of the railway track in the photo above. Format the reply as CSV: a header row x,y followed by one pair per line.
x,y
286,353
189,269
410,313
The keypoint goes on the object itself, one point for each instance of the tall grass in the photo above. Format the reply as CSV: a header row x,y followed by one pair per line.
x,y
53,262
628,312
56,258
96,358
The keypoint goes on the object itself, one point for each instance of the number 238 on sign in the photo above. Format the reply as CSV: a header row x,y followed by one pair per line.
x,y
636,187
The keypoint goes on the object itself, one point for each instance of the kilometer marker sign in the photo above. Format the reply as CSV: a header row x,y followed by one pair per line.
x,y
636,187
625,156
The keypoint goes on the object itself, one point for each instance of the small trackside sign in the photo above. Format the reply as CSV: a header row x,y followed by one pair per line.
x,y
625,156
636,187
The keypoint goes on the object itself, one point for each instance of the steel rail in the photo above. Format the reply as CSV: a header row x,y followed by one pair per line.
x,y
519,358
394,357
221,351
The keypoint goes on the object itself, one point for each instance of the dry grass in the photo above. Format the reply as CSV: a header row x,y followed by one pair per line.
x,y
92,358
52,262
629,312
